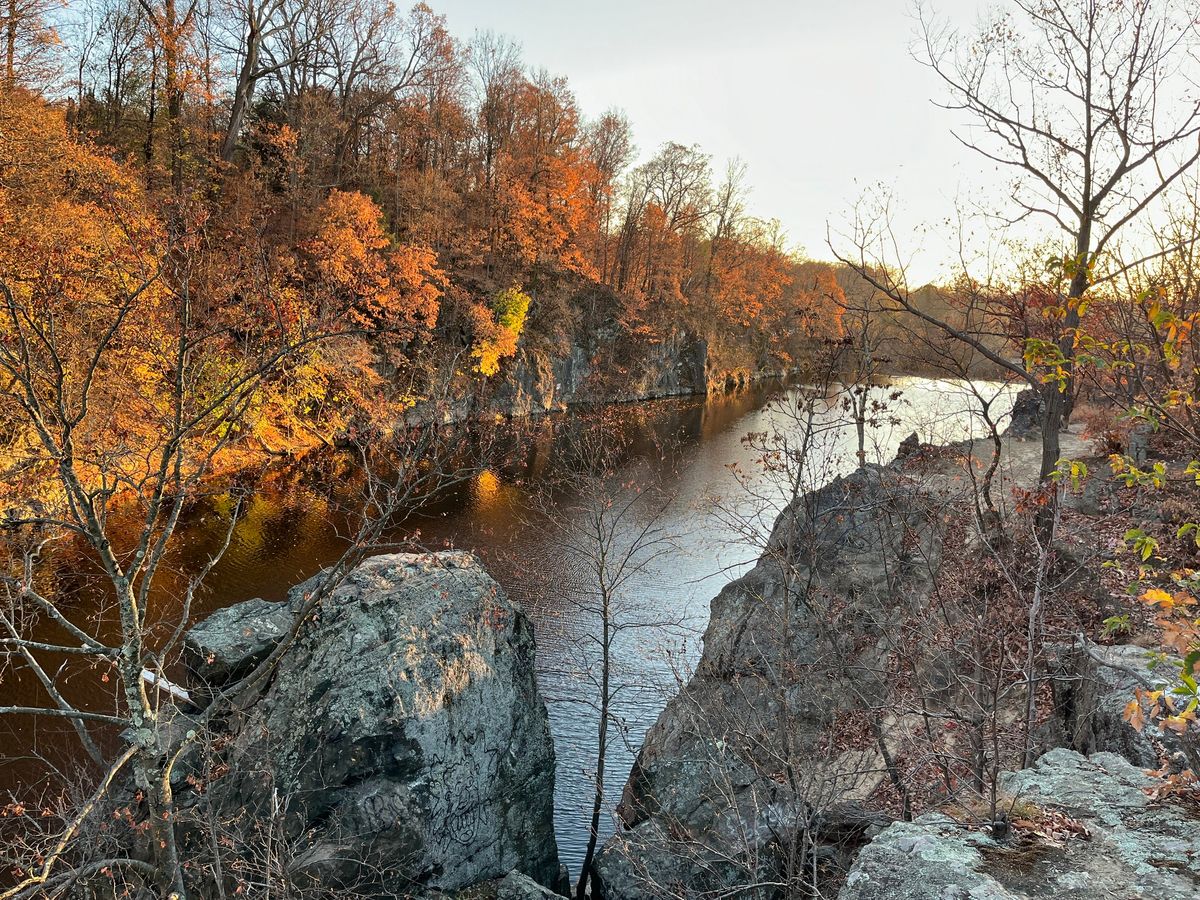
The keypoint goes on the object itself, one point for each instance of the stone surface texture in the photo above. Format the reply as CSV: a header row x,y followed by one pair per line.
x,y
1137,846
403,736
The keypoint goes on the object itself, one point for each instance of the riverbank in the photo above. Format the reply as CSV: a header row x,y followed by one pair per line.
x,y
705,807
291,529
605,368
870,668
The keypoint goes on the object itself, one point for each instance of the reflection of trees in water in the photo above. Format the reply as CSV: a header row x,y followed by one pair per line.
x,y
294,518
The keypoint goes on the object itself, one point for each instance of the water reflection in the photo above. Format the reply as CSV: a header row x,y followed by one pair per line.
x,y
296,521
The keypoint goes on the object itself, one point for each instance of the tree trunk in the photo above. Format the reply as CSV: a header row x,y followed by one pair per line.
x,y
1052,417
151,113
173,86
1061,398
10,47
242,95
585,872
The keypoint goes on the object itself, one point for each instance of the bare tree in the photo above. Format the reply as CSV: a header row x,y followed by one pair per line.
x,y
1088,104
374,55
609,142
610,529
255,25
120,495
29,38
728,209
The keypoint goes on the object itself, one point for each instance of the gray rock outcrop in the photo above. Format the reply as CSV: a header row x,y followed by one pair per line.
x,y
1025,421
513,886
539,383
676,367
230,642
737,773
403,736
1136,845
1091,691
611,367
518,886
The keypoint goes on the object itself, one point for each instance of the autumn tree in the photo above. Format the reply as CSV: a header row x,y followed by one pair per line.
x,y
543,211
171,25
498,329
364,278
30,36
609,148
128,389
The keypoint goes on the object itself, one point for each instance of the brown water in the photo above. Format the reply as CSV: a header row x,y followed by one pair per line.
x,y
293,524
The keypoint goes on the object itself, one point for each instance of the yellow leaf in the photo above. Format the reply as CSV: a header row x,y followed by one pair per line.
x,y
1133,715
1157,596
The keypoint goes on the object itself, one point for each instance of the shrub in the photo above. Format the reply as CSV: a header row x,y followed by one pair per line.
x,y
498,330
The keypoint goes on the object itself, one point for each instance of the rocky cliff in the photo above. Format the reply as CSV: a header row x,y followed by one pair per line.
x,y
736,783
775,763
402,741
608,368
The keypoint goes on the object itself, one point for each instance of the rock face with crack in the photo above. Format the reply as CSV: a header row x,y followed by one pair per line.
x,y
1137,846
1091,690
403,737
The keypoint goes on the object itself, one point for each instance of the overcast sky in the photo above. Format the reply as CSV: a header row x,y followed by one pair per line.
x,y
820,98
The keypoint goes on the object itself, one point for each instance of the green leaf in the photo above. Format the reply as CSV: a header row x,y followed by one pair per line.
x,y
1189,662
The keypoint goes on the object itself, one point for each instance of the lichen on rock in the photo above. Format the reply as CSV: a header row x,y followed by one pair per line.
x,y
403,736
1136,845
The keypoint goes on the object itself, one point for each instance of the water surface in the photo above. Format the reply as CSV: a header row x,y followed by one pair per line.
x,y
690,450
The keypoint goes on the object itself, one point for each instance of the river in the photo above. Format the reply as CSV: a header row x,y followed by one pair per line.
x,y
290,529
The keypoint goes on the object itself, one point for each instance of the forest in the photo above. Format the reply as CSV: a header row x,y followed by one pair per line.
x,y
349,186
241,235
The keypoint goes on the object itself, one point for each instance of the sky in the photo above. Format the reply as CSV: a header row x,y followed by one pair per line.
x,y
821,99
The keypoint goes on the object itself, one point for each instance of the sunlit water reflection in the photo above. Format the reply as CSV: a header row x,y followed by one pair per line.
x,y
291,528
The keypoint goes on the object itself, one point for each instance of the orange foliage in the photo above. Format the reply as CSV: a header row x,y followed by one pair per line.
x,y
362,277
79,251
391,204
820,302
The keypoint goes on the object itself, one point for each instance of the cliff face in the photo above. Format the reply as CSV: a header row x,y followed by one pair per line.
x,y
614,368
773,764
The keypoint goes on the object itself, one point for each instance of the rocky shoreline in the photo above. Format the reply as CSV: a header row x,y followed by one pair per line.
x,y
406,732
745,781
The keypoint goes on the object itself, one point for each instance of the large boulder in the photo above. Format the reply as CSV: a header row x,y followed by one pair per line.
x,y
231,642
403,738
517,886
1025,421
1134,846
513,886
739,772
